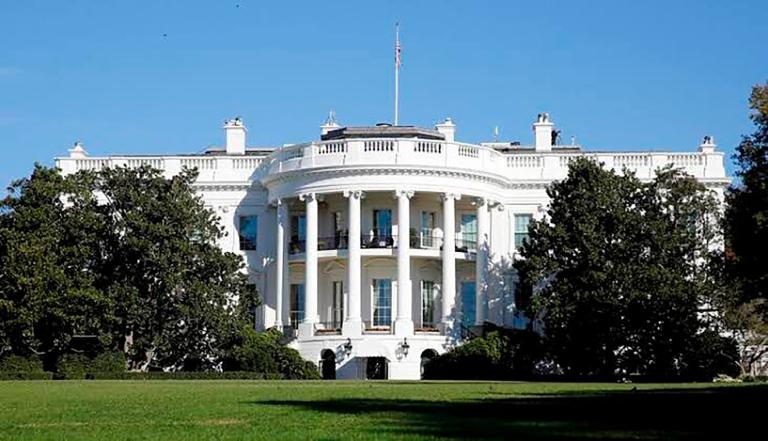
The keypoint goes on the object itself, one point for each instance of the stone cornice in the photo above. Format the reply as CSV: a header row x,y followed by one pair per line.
x,y
363,171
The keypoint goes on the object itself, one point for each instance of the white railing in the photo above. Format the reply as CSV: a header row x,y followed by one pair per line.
x,y
410,152
427,147
379,145
199,163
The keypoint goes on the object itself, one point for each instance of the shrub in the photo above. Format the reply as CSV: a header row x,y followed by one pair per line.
x,y
72,367
107,362
15,367
262,352
185,375
501,354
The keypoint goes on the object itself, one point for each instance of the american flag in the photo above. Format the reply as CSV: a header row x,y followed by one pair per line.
x,y
397,48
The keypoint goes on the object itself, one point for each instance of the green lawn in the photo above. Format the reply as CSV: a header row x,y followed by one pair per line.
x,y
103,410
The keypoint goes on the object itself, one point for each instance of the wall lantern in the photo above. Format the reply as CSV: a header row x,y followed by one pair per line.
x,y
405,346
348,347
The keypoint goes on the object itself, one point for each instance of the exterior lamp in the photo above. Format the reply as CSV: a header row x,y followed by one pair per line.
x,y
348,346
405,346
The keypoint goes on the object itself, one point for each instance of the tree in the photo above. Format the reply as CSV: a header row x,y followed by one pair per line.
x,y
123,255
746,227
620,269
177,295
49,251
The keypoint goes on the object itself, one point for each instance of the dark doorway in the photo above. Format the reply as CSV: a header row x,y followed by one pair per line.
x,y
376,368
328,364
426,357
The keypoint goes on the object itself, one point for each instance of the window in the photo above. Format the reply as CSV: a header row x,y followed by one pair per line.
x,y
298,233
337,309
248,229
468,231
521,229
428,292
382,302
297,304
382,223
427,229
468,312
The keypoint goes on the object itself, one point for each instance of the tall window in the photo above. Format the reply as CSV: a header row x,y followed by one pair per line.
x,y
337,309
298,233
382,302
248,229
468,311
428,303
297,304
427,228
521,229
469,230
382,223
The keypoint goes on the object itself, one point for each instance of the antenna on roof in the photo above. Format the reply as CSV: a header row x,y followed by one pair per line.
x,y
397,71
496,134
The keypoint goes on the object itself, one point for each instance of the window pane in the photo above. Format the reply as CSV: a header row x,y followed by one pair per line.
x,y
521,228
382,222
248,229
469,230
427,303
468,303
382,302
297,304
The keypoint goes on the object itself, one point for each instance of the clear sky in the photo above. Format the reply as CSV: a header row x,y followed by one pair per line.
x,y
129,77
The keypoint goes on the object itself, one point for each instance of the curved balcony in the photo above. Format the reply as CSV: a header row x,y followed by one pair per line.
x,y
387,151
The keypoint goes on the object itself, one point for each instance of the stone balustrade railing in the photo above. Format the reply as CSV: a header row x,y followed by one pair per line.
x,y
514,166
210,168
407,152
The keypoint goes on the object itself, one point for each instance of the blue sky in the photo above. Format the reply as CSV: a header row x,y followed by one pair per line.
x,y
161,76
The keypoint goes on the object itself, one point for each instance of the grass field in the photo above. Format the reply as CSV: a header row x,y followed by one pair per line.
x,y
105,410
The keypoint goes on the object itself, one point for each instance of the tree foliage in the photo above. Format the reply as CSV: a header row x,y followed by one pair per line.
x,y
124,255
620,270
746,227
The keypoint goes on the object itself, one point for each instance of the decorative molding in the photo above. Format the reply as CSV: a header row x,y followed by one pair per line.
x,y
407,193
357,194
454,196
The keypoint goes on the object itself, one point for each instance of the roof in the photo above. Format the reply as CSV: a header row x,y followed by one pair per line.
x,y
383,131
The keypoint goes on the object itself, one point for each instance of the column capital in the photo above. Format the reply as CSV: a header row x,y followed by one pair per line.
x,y
276,202
454,196
479,202
311,196
496,204
357,194
401,192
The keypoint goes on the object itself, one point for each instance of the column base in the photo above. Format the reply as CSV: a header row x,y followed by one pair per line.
x,y
403,327
352,328
306,330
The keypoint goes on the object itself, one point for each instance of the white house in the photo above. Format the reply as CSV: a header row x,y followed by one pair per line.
x,y
375,248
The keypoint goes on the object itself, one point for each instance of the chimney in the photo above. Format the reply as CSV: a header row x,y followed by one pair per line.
x,y
77,151
448,129
329,124
542,130
235,131
708,145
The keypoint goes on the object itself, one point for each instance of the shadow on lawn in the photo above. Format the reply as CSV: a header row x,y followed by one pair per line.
x,y
668,414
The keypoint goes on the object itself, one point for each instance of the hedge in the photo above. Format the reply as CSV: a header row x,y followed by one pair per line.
x,y
15,367
232,375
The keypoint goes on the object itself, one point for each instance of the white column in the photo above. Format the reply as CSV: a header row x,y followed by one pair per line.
x,y
280,262
353,325
404,322
449,259
481,262
307,327
286,292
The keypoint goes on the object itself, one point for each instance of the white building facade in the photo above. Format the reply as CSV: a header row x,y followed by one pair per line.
x,y
377,248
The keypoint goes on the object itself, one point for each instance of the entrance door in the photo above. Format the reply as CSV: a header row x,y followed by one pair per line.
x,y
328,368
376,368
468,312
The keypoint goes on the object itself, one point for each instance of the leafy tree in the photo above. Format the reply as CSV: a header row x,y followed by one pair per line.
x,y
746,216
746,227
49,252
620,269
177,295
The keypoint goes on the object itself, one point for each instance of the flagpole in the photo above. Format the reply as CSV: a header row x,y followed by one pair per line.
x,y
397,70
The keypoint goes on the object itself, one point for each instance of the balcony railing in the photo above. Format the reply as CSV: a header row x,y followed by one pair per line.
x,y
332,327
464,243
